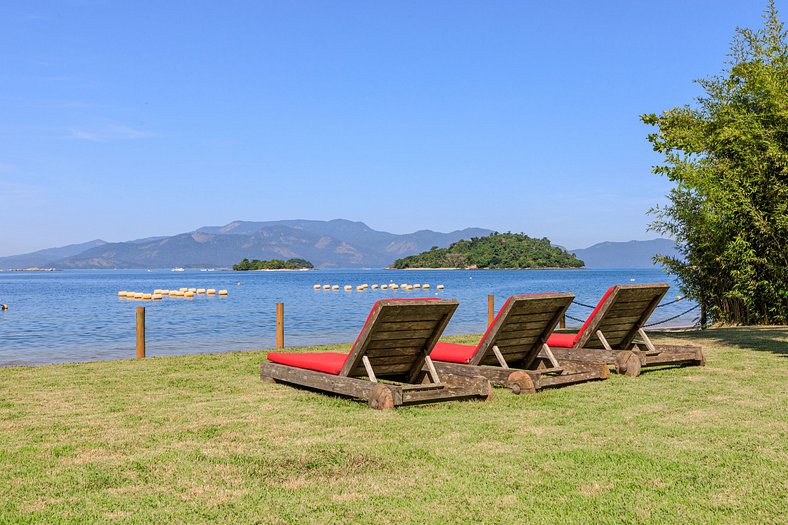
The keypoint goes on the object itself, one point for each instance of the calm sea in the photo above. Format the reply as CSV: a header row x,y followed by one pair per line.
x,y
70,316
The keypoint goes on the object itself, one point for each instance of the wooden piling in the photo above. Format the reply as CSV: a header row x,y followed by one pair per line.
x,y
140,332
280,325
490,309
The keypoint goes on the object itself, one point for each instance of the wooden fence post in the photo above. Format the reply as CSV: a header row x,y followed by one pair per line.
x,y
140,332
280,325
490,309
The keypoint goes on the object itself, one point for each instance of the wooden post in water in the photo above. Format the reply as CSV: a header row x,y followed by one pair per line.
x,y
140,332
280,325
490,309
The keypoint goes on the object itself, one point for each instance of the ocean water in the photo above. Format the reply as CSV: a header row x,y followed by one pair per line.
x,y
76,315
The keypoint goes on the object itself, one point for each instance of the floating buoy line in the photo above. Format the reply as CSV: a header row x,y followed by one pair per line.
x,y
159,294
390,286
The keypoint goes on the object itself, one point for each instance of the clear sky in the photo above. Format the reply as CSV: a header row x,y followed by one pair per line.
x,y
128,119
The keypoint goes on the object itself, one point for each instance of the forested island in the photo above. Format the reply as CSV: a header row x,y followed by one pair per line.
x,y
273,264
496,251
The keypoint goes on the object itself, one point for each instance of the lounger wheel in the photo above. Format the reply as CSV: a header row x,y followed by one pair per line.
x,y
520,383
628,363
381,397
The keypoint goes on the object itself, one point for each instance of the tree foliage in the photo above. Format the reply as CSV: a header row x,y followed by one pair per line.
x,y
273,264
728,155
495,251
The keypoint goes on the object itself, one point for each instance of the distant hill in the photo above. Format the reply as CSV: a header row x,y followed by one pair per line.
x,y
494,251
45,258
328,244
632,254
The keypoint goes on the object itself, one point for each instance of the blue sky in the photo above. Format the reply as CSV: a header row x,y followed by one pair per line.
x,y
121,120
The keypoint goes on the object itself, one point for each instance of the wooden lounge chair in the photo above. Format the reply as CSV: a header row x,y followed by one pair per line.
x,y
610,334
513,352
394,346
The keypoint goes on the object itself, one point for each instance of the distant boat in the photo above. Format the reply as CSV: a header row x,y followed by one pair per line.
x,y
178,270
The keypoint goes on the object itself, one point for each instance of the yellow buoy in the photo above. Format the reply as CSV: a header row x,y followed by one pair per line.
x,y
173,293
188,294
147,296
200,290
192,290
326,287
360,288
384,286
183,289
348,288
222,292
122,293
393,286
417,285
335,287
165,292
316,287
374,286
210,291
157,297
425,286
138,295
439,287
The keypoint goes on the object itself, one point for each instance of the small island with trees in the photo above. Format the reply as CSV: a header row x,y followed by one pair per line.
x,y
498,251
273,264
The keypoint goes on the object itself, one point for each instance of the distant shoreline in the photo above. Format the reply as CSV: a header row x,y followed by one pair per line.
x,y
493,269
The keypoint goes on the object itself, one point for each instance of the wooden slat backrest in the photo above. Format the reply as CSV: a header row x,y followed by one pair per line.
x,y
625,310
521,328
397,336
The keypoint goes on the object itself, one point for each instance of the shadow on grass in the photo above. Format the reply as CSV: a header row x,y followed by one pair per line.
x,y
759,338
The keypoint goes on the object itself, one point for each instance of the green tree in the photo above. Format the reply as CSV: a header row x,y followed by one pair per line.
x,y
728,155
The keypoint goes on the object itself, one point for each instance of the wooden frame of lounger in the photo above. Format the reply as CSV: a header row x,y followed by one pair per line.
x,y
393,345
611,336
514,352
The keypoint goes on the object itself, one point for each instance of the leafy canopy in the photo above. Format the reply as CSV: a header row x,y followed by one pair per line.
x,y
728,155
273,264
495,251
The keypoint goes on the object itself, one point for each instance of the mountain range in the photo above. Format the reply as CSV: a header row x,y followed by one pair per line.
x,y
337,243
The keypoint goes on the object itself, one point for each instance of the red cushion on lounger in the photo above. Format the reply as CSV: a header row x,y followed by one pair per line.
x,y
328,362
569,340
453,353
562,340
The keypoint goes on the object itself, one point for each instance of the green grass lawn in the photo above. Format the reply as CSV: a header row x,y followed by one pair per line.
x,y
201,439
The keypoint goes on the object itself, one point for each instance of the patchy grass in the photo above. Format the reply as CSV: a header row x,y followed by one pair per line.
x,y
201,439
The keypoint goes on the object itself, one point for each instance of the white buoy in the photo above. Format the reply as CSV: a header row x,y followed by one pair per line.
x,y
122,293
147,296
173,293
384,286
425,286
138,295
200,290
374,286
326,287
335,287
222,292
348,288
417,285
316,287
393,286
165,292
210,291
183,289
360,288
440,287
